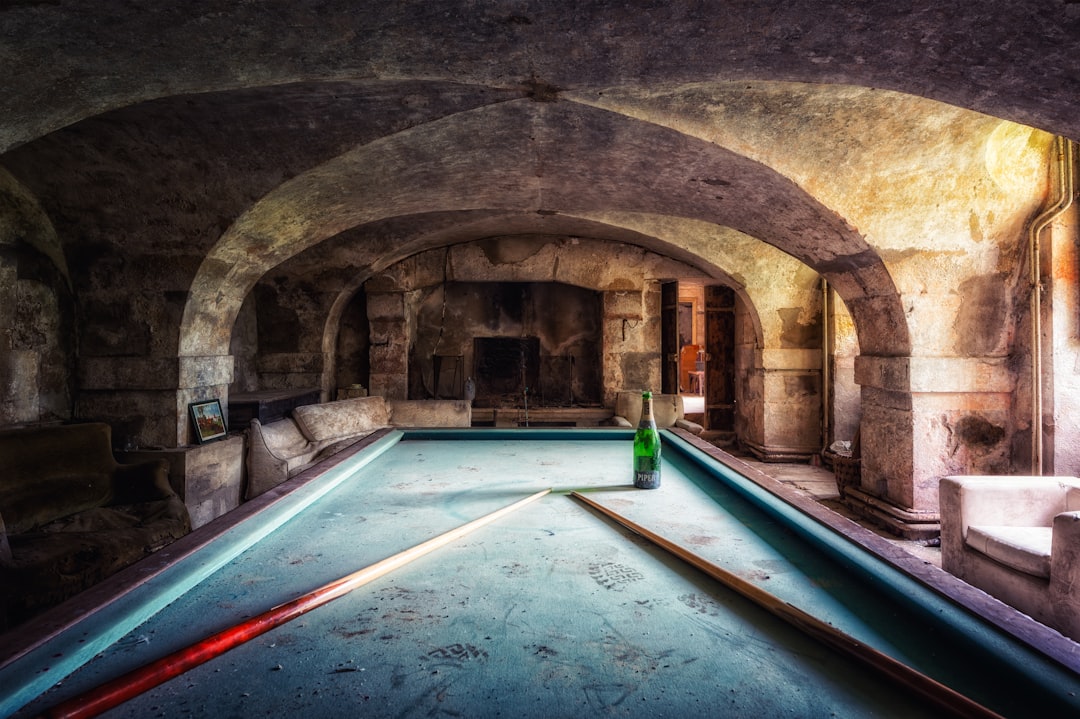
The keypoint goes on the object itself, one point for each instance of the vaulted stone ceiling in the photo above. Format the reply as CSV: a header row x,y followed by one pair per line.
x,y
223,138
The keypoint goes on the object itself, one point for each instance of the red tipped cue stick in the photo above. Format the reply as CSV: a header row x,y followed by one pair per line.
x,y
944,697
130,685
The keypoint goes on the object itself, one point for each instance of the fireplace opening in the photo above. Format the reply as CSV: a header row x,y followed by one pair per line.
x,y
507,337
507,370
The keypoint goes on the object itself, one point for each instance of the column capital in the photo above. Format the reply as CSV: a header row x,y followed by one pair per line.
x,y
952,375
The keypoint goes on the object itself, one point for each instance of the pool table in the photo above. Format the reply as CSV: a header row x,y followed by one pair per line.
x,y
553,610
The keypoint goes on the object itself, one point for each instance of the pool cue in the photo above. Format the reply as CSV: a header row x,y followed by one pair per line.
x,y
941,695
117,691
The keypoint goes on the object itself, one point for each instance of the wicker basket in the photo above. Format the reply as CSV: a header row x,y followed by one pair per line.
x,y
847,471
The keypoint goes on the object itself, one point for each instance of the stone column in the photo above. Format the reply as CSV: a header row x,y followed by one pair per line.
x,y
924,418
631,340
390,325
791,386
1061,397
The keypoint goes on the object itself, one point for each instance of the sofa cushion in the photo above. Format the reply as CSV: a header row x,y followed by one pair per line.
x,y
66,556
344,418
1025,549
72,465
25,510
284,439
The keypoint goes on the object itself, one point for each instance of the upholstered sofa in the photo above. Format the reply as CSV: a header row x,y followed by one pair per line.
x,y
668,411
283,449
71,515
1018,539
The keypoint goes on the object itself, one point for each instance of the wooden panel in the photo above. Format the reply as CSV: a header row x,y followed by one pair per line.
x,y
669,337
719,358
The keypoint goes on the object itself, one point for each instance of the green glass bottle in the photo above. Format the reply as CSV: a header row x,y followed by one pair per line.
x,y
646,447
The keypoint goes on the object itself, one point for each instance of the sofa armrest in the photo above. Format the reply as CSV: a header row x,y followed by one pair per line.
x,y
1006,501
1065,573
265,469
1065,550
689,426
621,422
143,481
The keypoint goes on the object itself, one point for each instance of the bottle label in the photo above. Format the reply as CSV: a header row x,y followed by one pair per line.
x,y
646,472
647,479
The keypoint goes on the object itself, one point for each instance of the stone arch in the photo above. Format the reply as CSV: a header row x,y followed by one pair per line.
x,y
860,44
567,140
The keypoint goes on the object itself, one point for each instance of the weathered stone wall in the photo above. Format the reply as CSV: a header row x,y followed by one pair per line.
x,y
149,193
37,314
564,318
244,347
352,362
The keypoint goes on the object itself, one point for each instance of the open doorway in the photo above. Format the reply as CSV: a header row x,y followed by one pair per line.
x,y
698,337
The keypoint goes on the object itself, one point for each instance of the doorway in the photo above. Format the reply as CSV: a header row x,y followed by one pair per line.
x,y
698,350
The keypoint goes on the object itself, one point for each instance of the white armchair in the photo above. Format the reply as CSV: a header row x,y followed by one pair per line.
x,y
1018,539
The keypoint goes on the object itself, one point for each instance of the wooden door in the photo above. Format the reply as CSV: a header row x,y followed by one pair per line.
x,y
669,337
719,358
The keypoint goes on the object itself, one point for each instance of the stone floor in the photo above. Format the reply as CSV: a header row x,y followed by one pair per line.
x,y
820,483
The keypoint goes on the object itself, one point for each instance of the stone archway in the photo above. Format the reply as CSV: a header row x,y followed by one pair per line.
x,y
486,146
376,182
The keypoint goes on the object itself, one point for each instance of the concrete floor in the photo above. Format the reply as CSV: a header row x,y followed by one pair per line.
x,y
820,483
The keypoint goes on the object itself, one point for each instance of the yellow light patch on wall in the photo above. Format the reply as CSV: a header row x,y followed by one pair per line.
x,y
1016,157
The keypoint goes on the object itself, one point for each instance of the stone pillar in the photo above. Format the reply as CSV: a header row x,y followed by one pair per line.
x,y
390,325
791,411
1061,398
845,399
631,340
924,418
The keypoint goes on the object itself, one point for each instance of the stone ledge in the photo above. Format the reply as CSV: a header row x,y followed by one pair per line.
x,y
903,522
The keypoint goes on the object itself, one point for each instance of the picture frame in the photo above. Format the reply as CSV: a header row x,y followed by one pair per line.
x,y
208,420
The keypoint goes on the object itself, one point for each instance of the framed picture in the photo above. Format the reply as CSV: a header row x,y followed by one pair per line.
x,y
208,419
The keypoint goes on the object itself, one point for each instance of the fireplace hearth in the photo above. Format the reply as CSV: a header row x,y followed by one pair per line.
x,y
507,370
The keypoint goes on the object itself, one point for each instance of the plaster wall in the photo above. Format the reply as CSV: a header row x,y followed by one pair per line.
x,y
1063,375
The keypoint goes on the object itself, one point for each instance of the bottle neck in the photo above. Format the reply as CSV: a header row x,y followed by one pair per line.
x,y
646,411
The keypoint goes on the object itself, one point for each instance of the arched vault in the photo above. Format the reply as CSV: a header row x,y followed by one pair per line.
x,y
547,159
